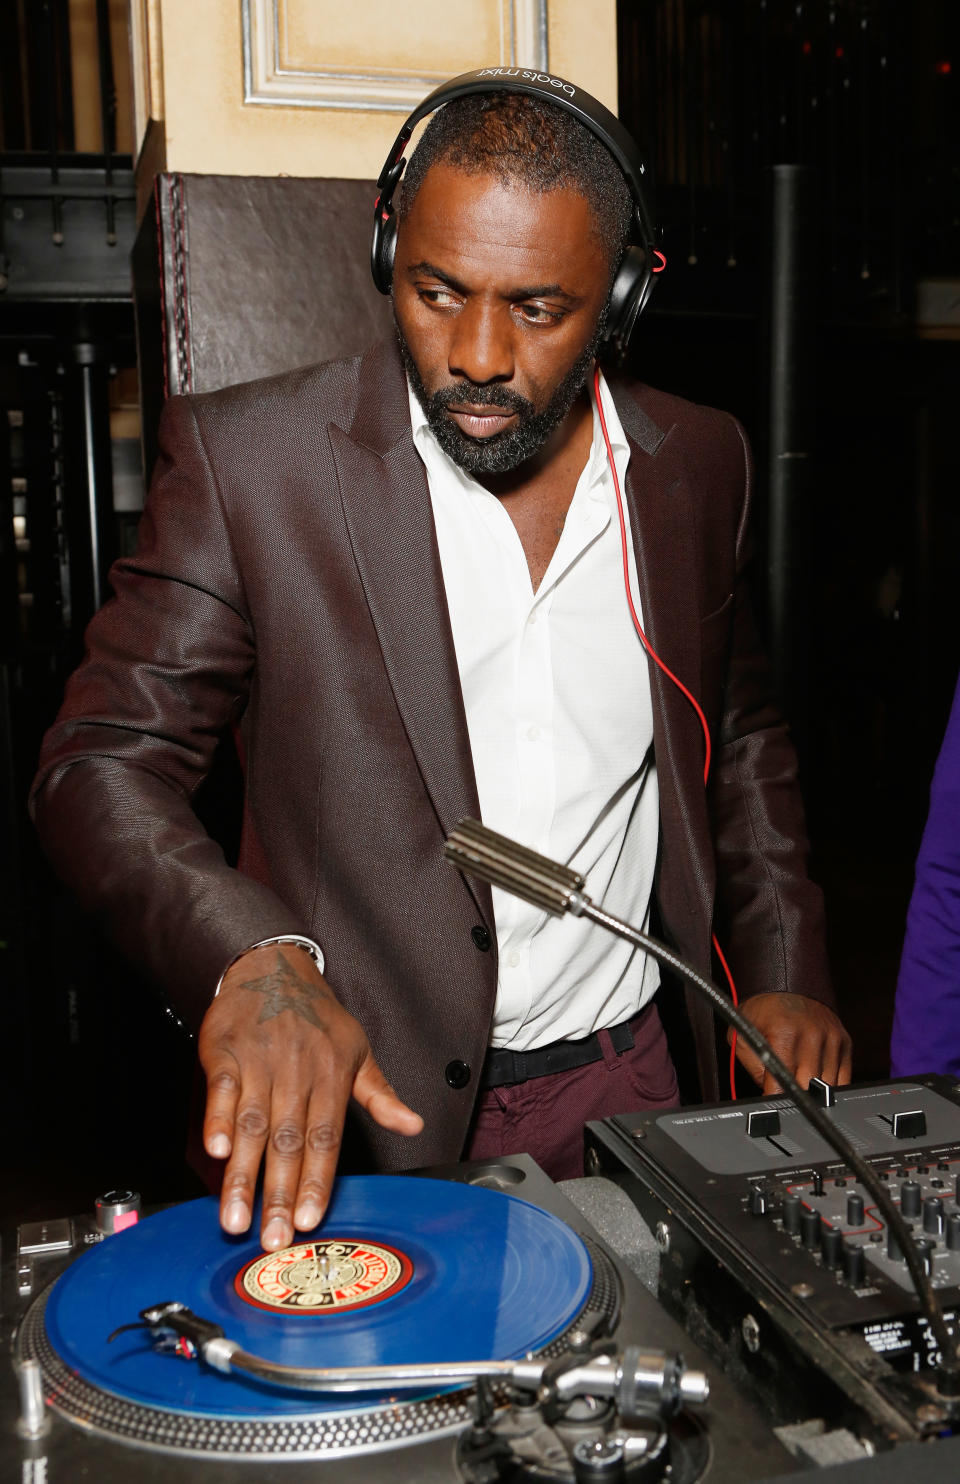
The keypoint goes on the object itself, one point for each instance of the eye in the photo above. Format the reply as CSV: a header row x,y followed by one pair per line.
x,y
539,314
440,296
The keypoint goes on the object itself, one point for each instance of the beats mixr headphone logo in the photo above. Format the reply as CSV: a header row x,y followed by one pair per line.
x,y
554,82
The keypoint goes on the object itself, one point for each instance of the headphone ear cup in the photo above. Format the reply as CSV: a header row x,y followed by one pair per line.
x,y
630,291
383,247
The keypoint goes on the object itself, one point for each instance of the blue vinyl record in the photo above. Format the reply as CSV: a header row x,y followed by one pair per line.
x,y
401,1270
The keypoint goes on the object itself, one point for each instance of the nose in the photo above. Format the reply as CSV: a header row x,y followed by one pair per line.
x,y
481,346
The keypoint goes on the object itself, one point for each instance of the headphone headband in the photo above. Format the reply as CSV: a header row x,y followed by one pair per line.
x,y
635,279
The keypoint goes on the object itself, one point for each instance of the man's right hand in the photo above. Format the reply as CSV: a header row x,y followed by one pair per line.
x,y
282,1058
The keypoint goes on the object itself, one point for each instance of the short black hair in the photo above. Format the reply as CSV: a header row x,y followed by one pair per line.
x,y
529,141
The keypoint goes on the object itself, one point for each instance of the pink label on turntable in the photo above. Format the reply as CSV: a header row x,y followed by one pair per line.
x,y
325,1276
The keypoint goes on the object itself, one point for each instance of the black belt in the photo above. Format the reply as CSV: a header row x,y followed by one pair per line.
x,y
502,1068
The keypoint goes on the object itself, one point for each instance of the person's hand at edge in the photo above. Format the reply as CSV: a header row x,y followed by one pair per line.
x,y
807,1036
282,1059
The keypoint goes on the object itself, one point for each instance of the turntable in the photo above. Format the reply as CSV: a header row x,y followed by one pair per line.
x,y
463,1324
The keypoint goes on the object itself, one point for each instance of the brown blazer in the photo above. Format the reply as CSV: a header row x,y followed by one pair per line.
x,y
287,581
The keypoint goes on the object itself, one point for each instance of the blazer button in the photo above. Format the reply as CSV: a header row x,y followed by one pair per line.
x,y
457,1074
481,937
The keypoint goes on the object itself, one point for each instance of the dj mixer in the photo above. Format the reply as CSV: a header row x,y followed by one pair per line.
x,y
776,1258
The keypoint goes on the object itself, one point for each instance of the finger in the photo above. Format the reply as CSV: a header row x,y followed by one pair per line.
x,y
782,1040
830,1059
285,1146
835,1052
804,1054
845,1073
750,1062
325,1120
770,1084
223,1093
251,1126
374,1093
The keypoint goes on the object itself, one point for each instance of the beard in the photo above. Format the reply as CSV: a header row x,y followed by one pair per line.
x,y
500,452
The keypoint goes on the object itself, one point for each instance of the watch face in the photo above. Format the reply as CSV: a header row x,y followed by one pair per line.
x,y
324,1276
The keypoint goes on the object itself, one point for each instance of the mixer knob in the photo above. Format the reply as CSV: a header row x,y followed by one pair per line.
x,y
894,1250
810,1229
791,1212
910,1198
854,1266
817,1183
953,1231
831,1245
933,1215
854,1209
926,1249
758,1202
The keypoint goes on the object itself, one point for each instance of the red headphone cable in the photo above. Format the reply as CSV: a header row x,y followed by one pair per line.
x,y
707,749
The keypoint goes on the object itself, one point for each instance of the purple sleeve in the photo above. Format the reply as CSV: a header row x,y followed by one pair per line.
x,y
926,1026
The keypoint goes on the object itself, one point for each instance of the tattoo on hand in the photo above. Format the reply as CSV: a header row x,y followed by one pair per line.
x,y
285,990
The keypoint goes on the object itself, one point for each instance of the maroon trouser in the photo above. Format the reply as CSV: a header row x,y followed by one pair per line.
x,y
544,1116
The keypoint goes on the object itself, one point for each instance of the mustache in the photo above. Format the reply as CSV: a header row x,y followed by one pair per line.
x,y
481,396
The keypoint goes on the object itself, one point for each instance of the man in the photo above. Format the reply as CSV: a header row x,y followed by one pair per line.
x,y
405,592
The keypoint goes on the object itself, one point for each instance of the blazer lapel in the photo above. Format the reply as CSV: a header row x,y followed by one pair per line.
x,y
386,502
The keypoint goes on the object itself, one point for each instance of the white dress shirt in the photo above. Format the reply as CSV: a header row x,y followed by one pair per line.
x,y
557,698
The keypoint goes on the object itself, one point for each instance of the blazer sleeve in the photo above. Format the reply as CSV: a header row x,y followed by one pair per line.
x,y
926,1024
167,668
770,916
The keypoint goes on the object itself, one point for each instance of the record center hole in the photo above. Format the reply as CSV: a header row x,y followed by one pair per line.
x,y
496,1177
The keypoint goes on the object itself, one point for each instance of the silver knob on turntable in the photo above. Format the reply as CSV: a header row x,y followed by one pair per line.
x,y
116,1210
33,1421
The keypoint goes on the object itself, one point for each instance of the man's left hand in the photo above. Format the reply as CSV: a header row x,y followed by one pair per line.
x,y
806,1035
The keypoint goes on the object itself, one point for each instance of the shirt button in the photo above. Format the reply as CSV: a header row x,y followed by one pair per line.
x,y
457,1074
533,616
533,734
513,958
482,939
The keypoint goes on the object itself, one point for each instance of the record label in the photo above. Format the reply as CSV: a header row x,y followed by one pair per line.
x,y
324,1276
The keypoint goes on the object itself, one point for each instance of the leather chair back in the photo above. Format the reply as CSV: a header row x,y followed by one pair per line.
x,y
237,277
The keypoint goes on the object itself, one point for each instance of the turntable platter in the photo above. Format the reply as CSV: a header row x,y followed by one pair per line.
x,y
402,1269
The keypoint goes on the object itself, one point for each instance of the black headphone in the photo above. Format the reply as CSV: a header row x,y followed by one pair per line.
x,y
635,276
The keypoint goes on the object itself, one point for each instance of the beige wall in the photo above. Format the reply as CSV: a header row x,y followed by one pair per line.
x,y
313,87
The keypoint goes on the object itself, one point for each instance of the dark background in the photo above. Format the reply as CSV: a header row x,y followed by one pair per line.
x,y
861,95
